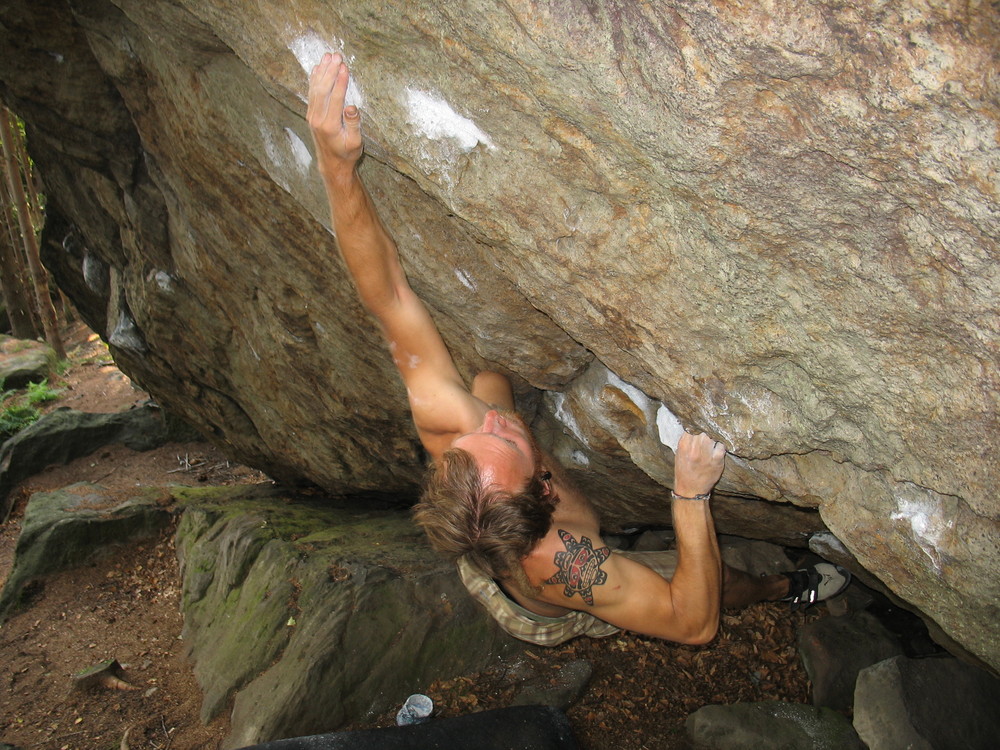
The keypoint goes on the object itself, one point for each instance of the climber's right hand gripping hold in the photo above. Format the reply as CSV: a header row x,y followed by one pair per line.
x,y
441,404
336,129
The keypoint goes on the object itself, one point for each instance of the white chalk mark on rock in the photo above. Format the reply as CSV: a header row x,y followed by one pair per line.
x,y
277,160
165,281
668,427
309,49
568,420
926,521
303,158
435,119
466,280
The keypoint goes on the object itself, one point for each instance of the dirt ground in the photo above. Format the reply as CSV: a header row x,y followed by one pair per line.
x,y
125,606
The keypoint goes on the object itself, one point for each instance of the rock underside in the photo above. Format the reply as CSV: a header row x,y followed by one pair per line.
x,y
773,222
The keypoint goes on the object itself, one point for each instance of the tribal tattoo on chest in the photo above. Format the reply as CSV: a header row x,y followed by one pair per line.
x,y
580,566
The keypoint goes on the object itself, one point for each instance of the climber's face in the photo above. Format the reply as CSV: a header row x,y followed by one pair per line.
x,y
504,450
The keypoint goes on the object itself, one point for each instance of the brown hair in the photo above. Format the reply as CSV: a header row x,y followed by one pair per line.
x,y
495,528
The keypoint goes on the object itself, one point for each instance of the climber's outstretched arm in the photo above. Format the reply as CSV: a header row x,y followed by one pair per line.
x,y
439,400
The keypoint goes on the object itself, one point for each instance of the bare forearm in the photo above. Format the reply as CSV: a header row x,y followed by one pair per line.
x,y
697,583
367,248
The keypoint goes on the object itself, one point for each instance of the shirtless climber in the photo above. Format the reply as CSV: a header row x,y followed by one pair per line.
x,y
497,504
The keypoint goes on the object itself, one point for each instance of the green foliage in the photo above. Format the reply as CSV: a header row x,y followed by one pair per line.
x,y
15,418
41,392
19,409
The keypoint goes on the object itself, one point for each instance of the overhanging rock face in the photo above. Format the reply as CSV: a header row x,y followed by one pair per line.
x,y
774,222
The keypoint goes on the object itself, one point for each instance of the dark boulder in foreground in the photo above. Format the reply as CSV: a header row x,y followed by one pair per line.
x,y
523,727
927,703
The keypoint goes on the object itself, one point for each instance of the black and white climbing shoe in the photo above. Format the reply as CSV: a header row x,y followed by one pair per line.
x,y
816,583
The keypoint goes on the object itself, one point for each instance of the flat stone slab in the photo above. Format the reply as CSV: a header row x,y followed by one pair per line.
x,y
65,434
23,361
64,528
770,726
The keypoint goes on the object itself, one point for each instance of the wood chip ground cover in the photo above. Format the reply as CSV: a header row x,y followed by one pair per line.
x,y
642,689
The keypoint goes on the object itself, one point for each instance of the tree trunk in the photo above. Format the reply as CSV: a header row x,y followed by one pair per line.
x,y
32,187
35,212
13,278
39,276
18,272
64,309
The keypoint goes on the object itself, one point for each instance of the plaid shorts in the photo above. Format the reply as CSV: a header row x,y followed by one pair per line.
x,y
550,631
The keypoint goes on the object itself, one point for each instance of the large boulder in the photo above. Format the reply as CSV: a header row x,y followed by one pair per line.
x,y
775,222
313,616
835,649
923,704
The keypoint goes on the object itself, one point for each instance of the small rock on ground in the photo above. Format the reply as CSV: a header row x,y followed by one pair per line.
x,y
23,362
